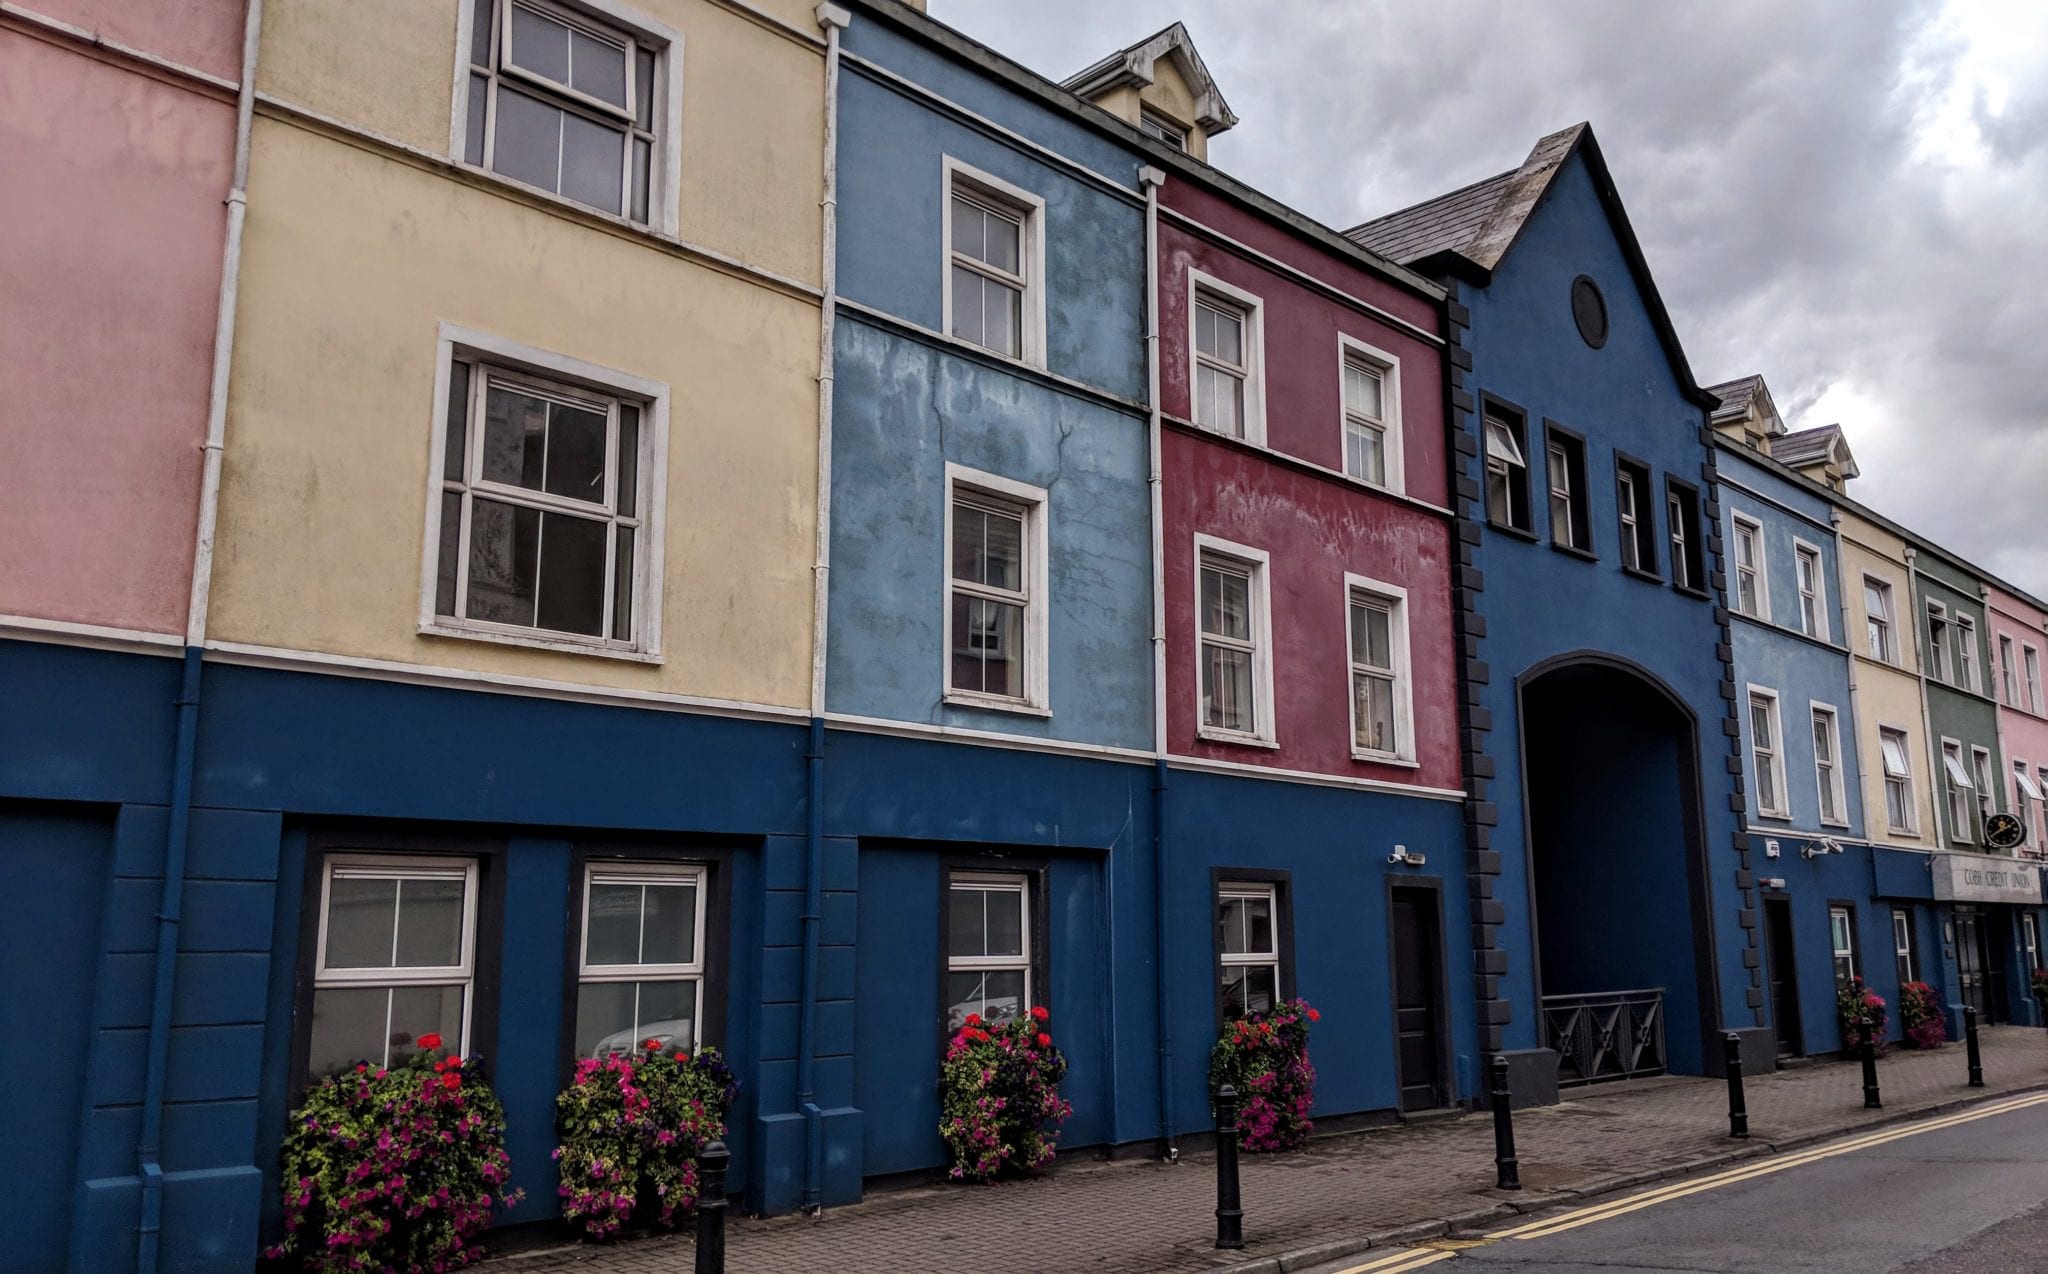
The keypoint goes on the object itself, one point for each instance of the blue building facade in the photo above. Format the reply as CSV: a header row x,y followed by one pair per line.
x,y
1604,825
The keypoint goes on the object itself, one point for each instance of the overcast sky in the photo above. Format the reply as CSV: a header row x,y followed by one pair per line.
x,y
1849,197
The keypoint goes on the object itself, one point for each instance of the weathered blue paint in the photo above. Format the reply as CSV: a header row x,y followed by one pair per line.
x,y
1540,604
907,408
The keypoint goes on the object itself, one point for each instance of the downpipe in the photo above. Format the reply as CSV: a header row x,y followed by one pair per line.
x,y
184,761
833,19
1152,178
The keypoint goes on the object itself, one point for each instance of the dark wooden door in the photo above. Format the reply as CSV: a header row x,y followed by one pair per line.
x,y
1784,975
1418,999
1970,963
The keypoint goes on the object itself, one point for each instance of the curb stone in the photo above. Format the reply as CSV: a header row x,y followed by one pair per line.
x,y
1321,1253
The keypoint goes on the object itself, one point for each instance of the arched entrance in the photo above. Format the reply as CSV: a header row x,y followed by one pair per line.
x,y
1618,886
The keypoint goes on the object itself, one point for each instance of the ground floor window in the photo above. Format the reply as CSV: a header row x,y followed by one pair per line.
x,y
2030,934
988,947
1842,933
1248,947
640,971
1902,944
394,958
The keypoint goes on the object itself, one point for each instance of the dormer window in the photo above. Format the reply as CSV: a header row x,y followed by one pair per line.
x,y
1164,127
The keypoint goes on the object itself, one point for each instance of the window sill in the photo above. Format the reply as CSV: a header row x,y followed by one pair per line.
x,y
560,645
1240,740
1382,758
1686,590
1835,823
1512,532
1637,572
1783,816
662,230
1573,550
1016,707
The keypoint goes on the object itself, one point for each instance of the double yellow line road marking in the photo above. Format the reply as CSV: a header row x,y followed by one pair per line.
x,y
1415,1258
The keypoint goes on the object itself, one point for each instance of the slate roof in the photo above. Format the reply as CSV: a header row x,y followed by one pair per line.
x,y
1445,223
1812,446
1735,396
1467,232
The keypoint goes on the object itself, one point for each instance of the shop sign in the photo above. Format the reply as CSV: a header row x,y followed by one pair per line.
x,y
1976,878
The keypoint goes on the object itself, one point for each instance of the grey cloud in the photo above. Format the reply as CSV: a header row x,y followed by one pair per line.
x,y
1767,153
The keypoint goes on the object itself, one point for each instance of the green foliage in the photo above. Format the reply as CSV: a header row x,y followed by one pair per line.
x,y
394,1169
631,1128
1861,1012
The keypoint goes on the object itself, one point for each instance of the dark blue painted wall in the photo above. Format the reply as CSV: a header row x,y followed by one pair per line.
x,y
1538,602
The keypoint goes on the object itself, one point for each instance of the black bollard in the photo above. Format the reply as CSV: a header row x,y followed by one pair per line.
x,y
1970,1043
1870,1098
711,1161
1229,1216
1738,1112
1507,1172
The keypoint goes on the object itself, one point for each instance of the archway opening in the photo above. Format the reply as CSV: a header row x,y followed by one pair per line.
x,y
1624,961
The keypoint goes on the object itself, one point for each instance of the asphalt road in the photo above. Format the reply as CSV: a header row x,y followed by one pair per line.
x,y
1972,1198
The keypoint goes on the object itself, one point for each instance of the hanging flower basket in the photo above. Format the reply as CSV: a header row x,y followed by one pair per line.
x,y
1000,1097
394,1168
1861,1012
631,1127
1264,1056
1921,1015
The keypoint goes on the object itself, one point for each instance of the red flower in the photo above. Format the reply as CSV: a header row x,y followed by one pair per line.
x,y
455,1063
430,1041
361,1067
1044,1039
1314,1016
451,1080
974,1019
652,1046
1038,1011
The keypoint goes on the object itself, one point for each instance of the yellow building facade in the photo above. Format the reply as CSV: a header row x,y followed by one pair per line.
x,y
1891,719
525,383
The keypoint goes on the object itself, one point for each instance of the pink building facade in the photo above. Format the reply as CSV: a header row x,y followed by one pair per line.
x,y
2019,646
117,135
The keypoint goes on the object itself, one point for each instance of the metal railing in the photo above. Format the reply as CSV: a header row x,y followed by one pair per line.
x,y
1605,1035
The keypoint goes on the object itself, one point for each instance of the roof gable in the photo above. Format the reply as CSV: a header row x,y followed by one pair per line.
x,y
1137,66
1470,231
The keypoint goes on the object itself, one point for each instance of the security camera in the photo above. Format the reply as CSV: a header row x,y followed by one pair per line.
x,y
1816,849
1402,854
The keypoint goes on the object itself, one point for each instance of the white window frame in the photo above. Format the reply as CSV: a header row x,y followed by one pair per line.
x,y
1907,959
1885,623
1557,458
1842,943
2008,671
1163,127
2031,662
1678,538
664,179
1775,753
1955,782
1350,349
1938,666
1987,785
1002,882
1253,307
1757,573
2027,796
1966,653
649,554
646,873
1828,781
1227,960
1815,600
1511,470
990,189
2030,941
1904,778
415,867
2041,782
1035,503
1396,597
1266,729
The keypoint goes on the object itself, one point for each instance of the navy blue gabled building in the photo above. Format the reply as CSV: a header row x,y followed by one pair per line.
x,y
1615,929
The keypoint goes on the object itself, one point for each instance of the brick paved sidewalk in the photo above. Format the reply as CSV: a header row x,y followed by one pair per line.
x,y
1151,1218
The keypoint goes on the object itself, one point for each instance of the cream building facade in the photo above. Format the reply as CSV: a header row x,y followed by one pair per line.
x,y
525,382
1900,772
